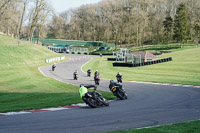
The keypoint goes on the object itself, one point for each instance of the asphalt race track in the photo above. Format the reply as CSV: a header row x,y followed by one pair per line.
x,y
147,105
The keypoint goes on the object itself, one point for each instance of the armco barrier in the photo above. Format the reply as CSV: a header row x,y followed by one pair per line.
x,y
119,64
54,59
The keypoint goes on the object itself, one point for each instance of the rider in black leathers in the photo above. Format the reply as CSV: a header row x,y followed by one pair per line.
x,y
89,72
96,73
119,77
75,74
96,77
112,84
53,67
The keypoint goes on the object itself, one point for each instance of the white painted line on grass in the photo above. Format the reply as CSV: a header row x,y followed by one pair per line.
x,y
85,64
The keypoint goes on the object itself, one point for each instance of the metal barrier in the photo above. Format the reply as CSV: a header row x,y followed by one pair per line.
x,y
54,59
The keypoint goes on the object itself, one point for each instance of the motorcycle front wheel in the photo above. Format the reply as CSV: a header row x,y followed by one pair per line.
x,y
104,101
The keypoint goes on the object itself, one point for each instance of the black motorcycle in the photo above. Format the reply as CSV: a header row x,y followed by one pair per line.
x,y
97,79
88,73
75,76
119,92
119,78
53,67
94,99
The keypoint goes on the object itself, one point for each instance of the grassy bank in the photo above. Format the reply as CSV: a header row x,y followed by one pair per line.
x,y
22,86
186,127
184,69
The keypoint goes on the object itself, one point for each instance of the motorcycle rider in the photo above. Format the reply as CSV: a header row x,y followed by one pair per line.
x,y
96,77
53,66
89,72
75,73
84,94
84,89
119,77
96,73
113,83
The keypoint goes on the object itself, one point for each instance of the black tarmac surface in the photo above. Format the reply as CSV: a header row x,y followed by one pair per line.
x,y
147,105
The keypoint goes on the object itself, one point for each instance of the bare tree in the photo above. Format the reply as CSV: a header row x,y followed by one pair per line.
x,y
3,7
41,7
25,3
132,22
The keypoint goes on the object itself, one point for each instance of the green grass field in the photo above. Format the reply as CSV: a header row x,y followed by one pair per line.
x,y
185,127
184,69
22,86
172,47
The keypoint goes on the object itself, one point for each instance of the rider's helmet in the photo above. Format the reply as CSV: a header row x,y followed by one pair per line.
x,y
111,81
81,85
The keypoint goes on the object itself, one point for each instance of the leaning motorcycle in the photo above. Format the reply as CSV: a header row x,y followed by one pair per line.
x,y
119,92
94,99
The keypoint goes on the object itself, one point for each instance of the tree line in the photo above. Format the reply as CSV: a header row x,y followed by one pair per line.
x,y
23,18
133,22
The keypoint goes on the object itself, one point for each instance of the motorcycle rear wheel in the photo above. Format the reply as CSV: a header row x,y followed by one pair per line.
x,y
120,95
97,82
91,102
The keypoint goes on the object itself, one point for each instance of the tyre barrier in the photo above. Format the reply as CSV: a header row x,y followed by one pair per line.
x,y
114,59
111,59
119,64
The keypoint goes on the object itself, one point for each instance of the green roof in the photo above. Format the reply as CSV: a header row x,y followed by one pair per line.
x,y
61,42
